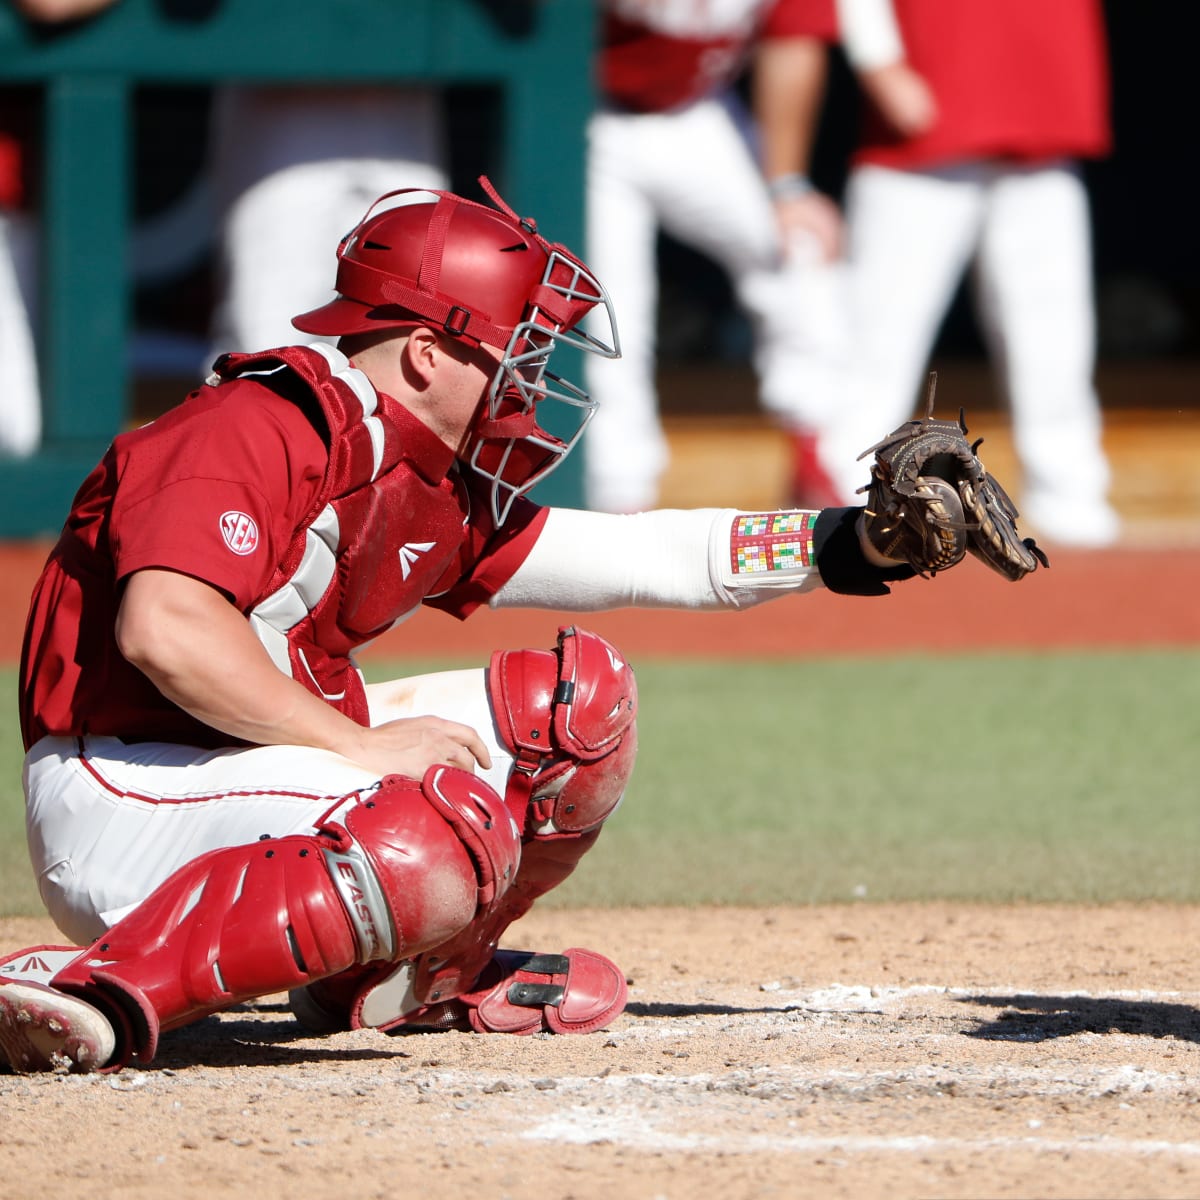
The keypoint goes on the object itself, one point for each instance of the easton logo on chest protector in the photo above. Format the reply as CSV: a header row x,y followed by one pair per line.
x,y
409,553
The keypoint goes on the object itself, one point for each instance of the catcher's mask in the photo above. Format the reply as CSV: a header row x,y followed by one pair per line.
x,y
485,276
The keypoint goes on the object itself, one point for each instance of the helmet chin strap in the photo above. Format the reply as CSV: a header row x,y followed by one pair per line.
x,y
513,454
516,426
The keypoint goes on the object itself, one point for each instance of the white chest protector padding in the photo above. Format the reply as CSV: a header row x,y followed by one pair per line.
x,y
568,716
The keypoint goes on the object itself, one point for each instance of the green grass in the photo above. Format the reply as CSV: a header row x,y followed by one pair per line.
x,y
18,893
1049,777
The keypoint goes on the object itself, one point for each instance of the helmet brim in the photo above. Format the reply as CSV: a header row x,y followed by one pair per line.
x,y
342,316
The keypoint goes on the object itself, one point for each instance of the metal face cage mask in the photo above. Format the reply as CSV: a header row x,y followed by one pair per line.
x,y
508,445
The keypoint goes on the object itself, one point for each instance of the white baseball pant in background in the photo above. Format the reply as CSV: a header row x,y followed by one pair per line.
x,y
294,171
692,172
20,400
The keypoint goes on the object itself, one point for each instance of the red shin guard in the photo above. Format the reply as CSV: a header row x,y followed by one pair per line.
x,y
568,716
235,923
411,864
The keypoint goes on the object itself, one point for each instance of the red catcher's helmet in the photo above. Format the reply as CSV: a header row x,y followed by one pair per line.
x,y
486,275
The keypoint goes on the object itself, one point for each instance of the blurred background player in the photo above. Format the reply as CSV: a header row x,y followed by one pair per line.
x,y
20,403
20,399
671,149
292,169
977,114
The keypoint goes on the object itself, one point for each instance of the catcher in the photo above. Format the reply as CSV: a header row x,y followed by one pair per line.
x,y
220,808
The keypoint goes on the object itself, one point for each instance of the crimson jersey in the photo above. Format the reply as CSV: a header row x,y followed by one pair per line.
x,y
10,171
658,54
257,486
17,140
1020,79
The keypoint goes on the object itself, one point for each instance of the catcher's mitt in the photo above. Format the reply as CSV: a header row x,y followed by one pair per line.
x,y
931,500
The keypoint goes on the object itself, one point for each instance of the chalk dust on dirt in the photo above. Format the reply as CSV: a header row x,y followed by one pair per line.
x,y
863,1051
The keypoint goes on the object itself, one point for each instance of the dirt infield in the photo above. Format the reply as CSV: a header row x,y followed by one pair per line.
x,y
859,1051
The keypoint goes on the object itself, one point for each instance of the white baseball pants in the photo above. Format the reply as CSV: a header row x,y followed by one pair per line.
x,y
294,171
107,822
20,399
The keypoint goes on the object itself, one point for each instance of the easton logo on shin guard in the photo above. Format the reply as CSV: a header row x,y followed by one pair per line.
x,y
36,964
365,905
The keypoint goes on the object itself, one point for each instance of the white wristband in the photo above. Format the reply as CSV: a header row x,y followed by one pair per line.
x,y
789,187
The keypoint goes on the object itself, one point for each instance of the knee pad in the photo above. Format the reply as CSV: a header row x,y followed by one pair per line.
x,y
568,716
403,868
441,851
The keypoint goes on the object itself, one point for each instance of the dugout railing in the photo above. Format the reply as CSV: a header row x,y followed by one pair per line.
x,y
536,53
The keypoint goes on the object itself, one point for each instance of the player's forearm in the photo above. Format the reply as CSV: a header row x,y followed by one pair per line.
x,y
264,706
788,91
202,655
588,561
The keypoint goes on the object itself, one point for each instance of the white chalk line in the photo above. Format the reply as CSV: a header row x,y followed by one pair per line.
x,y
631,1130
1125,1081
842,997
631,1110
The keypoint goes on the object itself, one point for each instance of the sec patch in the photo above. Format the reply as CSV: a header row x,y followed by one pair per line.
x,y
240,532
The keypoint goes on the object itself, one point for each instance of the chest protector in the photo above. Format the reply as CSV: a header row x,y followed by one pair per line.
x,y
379,537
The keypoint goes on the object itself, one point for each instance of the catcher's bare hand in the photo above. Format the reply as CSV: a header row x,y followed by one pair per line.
x,y
931,501
411,745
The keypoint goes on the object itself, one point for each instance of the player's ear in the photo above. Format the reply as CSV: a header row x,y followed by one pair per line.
x,y
422,351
